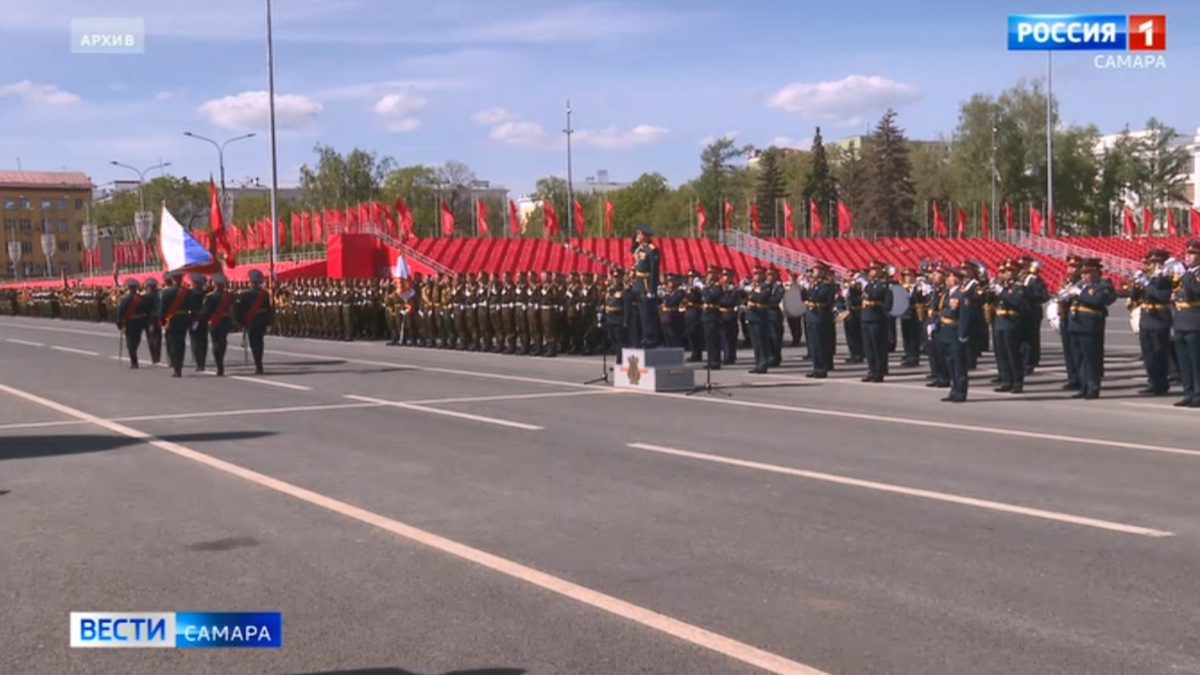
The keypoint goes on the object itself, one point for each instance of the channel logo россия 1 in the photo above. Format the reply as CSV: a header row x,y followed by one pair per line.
x,y
1127,40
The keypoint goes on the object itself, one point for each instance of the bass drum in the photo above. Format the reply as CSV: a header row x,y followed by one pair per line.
x,y
1052,316
793,302
900,300
1135,319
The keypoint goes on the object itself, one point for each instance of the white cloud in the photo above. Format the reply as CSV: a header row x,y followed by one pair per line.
x,y
493,116
38,94
398,112
709,140
844,102
520,134
612,138
368,90
250,111
165,95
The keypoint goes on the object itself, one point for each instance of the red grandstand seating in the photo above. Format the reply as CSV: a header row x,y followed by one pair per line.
x,y
1130,248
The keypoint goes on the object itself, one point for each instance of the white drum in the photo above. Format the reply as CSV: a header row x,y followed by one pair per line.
x,y
1052,316
793,302
1135,319
900,299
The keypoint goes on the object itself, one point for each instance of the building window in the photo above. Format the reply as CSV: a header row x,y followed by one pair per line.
x,y
24,202
79,246
1191,165
64,246
10,203
62,226
26,247
62,203
78,204
26,225
10,224
46,204
47,225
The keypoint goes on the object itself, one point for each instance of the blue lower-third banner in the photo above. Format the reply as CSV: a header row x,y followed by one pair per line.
x,y
179,630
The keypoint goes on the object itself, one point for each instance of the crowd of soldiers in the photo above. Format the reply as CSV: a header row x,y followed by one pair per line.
x,y
953,315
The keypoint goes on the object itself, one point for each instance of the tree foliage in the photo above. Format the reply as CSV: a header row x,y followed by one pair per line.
x,y
891,194
820,186
186,200
770,189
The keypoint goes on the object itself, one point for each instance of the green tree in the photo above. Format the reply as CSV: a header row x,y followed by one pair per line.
x,y
455,185
417,186
891,198
771,188
720,179
186,200
1076,181
340,180
635,203
933,181
1161,165
820,186
853,177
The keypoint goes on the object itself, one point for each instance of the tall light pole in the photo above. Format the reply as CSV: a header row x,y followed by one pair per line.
x,y
274,157
141,174
992,221
143,220
570,177
1049,138
220,151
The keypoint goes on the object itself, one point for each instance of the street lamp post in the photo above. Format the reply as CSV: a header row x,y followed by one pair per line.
x,y
220,151
141,174
274,155
143,220
992,221
570,188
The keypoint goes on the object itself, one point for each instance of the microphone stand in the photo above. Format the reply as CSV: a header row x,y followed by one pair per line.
x,y
604,359
708,387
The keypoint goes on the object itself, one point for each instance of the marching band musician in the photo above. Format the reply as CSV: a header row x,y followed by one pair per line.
x,y
774,317
795,324
645,285
672,311
979,327
711,316
215,315
876,313
1089,309
939,370
758,300
731,301
1151,293
1070,362
131,319
693,314
953,332
911,330
1036,295
821,298
615,325
1186,296
1010,307
852,325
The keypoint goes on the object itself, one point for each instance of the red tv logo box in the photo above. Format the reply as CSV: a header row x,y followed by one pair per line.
x,y
1147,32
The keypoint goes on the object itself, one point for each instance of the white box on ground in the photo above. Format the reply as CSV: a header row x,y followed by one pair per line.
x,y
661,369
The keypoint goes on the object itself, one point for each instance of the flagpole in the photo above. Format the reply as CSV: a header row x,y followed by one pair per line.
x,y
570,178
1049,135
274,154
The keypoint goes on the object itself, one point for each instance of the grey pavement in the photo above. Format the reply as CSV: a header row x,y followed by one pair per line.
x,y
855,528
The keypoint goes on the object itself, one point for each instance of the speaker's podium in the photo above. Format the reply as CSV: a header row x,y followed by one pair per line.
x,y
659,369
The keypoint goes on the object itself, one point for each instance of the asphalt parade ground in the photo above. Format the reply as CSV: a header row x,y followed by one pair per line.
x,y
429,512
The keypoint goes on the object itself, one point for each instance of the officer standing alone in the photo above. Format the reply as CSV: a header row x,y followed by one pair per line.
x,y
953,333
645,286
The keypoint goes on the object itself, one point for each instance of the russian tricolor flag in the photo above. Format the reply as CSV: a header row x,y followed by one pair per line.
x,y
179,249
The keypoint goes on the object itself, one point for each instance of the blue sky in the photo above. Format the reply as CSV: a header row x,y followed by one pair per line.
x,y
485,81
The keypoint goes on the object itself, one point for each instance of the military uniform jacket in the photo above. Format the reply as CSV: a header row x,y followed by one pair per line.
x,y
774,299
956,315
614,304
915,299
1156,304
673,301
876,302
710,302
129,309
1035,294
645,268
1187,302
176,305
1010,306
758,302
1089,309
217,310
821,298
253,309
150,305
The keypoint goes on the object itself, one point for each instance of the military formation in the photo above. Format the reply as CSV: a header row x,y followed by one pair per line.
x,y
950,315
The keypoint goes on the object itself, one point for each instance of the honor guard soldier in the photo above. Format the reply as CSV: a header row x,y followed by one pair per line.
x,y
1089,309
645,285
1150,294
215,315
953,333
820,300
710,308
757,300
1186,287
774,317
1070,362
876,313
131,318
252,312
154,334
177,312
673,309
198,331
1010,306
614,313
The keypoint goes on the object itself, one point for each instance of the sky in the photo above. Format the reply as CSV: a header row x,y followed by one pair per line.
x,y
486,82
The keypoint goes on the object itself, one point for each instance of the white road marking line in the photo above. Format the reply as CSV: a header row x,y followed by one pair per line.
x,y
929,424
38,425
56,330
720,644
910,492
447,413
201,415
273,383
72,350
27,343
515,397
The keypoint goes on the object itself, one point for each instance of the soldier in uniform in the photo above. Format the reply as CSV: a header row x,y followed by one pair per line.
x,y
730,302
1010,306
177,311
673,311
646,263
757,301
939,369
495,336
198,332
774,317
693,316
1089,310
1036,295
1070,358
711,320
820,299
1151,292
550,302
533,315
912,330
575,322
614,313
876,308
1186,296
154,334
131,319
795,324
253,312
215,316
953,333
852,324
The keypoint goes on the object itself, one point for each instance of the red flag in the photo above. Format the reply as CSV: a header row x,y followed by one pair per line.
x,y
1008,219
1130,226
754,226
1050,228
389,223
279,233
1147,220
481,217
960,220
350,221
447,220
1035,221
1171,231
306,231
318,228
845,219
514,220
550,227
295,229
406,218
608,211
814,214
701,218
939,225
580,220
984,225
728,215
364,217
1194,217
217,225
789,228
376,214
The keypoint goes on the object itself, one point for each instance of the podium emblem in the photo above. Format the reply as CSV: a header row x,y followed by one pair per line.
x,y
635,375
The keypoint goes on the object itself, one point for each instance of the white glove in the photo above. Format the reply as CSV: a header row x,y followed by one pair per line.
x,y
964,340
1076,291
929,331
